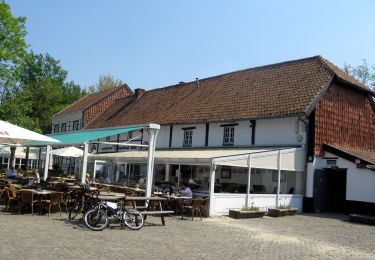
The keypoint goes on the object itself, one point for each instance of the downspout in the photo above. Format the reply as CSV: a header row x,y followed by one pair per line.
x,y
307,148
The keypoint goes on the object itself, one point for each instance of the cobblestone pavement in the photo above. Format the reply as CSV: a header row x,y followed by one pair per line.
x,y
321,236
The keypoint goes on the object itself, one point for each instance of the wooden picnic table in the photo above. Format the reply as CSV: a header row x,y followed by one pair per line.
x,y
147,209
76,187
111,196
176,198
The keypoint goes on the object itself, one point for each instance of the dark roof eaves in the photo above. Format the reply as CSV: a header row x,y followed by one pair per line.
x,y
233,120
342,152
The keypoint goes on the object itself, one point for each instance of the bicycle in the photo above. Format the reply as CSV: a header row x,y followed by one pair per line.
x,y
82,201
97,218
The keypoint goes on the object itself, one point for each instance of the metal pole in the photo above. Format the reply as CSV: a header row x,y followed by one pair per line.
x,y
212,187
179,175
150,163
248,181
46,162
84,166
167,170
278,177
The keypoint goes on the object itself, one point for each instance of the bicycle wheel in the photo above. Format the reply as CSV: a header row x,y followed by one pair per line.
x,y
133,219
96,220
74,210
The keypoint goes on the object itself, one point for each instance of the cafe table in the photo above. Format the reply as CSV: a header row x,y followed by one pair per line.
x,y
178,200
76,187
113,196
41,195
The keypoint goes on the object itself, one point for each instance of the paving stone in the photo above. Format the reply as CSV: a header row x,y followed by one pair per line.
x,y
320,236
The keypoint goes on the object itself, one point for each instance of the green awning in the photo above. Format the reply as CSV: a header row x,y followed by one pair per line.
x,y
79,137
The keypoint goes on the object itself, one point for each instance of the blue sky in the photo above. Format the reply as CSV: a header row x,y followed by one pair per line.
x,y
151,44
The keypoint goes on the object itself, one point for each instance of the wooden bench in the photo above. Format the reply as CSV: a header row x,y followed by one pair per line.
x,y
147,210
161,213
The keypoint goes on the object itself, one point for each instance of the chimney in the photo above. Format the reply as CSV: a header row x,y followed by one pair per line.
x,y
138,92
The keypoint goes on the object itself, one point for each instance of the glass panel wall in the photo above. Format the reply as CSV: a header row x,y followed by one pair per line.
x,y
263,181
197,176
230,179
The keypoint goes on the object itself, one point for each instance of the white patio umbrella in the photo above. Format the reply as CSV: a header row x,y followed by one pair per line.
x,y
68,152
12,134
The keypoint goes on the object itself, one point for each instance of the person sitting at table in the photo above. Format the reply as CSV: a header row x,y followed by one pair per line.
x,y
167,189
10,173
185,191
88,179
142,181
36,177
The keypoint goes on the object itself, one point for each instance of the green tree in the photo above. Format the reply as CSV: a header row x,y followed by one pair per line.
x,y
42,91
12,46
45,90
105,82
363,72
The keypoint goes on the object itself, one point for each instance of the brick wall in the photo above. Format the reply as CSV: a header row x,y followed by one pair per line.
x,y
344,118
94,110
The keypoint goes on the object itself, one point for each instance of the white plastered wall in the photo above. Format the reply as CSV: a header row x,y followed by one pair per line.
x,y
360,182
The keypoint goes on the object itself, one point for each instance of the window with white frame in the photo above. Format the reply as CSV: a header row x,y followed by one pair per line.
x,y
6,162
63,127
188,137
56,128
75,125
228,135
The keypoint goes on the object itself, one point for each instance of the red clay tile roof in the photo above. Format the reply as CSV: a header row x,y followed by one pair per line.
x,y
368,156
89,100
276,90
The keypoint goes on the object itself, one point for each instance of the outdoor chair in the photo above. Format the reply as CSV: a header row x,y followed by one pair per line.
x,y
195,207
56,199
11,197
29,198
204,206
66,199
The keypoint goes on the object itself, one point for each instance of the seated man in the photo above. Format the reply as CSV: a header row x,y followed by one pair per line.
x,y
185,191
10,173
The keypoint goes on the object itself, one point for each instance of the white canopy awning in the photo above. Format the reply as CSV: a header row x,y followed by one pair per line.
x,y
12,134
292,158
70,151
